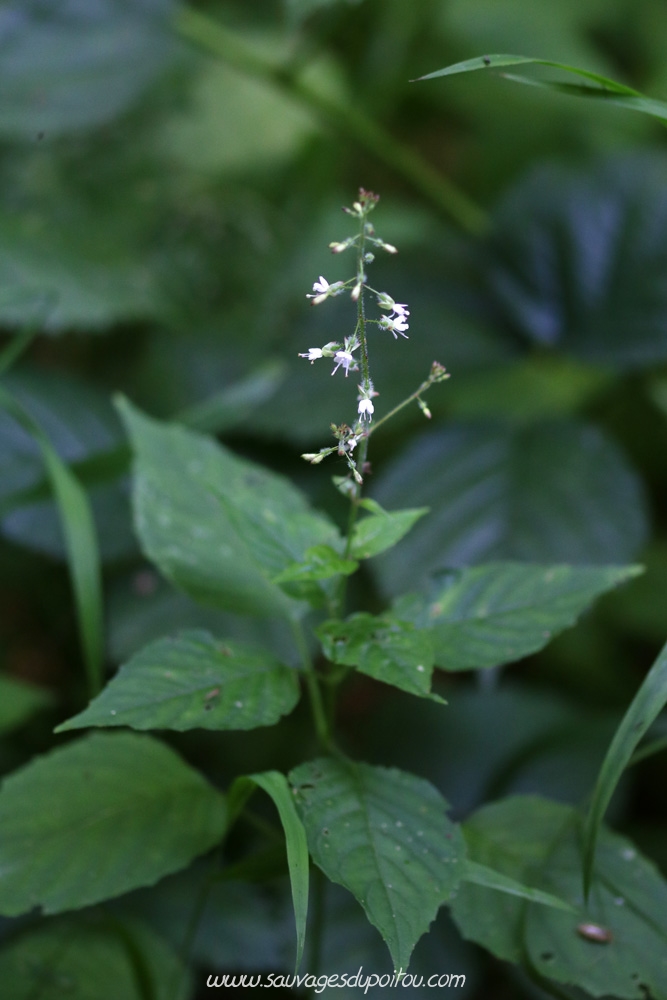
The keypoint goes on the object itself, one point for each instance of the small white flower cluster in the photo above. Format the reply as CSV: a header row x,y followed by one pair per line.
x,y
396,321
342,354
393,317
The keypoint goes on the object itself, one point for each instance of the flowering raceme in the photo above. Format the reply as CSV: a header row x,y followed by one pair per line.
x,y
394,318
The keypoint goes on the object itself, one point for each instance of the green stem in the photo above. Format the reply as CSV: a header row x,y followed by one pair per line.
x,y
347,119
314,693
392,413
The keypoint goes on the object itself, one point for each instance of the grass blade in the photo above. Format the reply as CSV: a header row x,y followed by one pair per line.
x,y
80,540
275,785
611,91
642,712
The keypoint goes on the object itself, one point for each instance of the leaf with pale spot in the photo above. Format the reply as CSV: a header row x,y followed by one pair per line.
x,y
383,647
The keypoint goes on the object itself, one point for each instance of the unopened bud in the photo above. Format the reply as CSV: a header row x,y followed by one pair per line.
x,y
424,408
389,248
356,292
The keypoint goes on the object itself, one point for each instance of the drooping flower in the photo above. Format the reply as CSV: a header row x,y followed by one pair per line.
x,y
365,409
346,360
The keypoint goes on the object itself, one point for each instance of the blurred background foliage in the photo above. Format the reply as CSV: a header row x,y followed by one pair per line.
x,y
170,178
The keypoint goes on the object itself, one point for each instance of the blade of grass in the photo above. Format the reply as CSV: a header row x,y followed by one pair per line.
x,y
80,541
275,784
647,704
611,91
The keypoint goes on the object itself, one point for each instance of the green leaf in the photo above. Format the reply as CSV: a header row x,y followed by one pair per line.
x,y
80,542
383,647
550,285
554,492
320,562
382,530
100,816
628,901
382,834
275,785
491,879
194,681
609,90
485,616
220,528
19,701
78,958
537,842
645,707
68,67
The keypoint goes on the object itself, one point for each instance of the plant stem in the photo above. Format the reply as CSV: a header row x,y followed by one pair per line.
x,y
347,119
409,399
314,693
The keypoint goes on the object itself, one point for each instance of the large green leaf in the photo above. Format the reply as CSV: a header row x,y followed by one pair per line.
x,y
646,705
383,647
78,236
485,616
537,842
79,958
219,527
193,680
576,260
72,66
98,817
555,492
382,834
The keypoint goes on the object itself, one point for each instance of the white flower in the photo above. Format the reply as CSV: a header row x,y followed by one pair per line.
x,y
366,409
397,308
345,359
313,354
394,325
323,290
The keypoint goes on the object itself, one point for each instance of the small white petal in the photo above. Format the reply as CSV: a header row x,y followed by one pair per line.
x,y
312,354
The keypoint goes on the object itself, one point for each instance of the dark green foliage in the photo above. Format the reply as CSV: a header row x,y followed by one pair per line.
x,y
170,177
